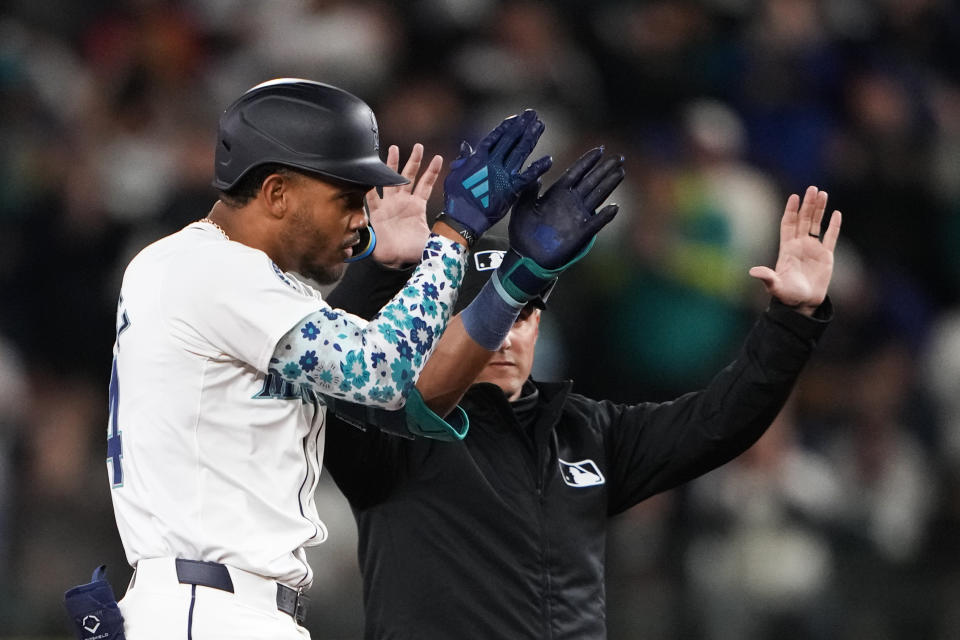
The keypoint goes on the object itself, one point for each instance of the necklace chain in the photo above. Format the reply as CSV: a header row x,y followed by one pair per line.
x,y
218,227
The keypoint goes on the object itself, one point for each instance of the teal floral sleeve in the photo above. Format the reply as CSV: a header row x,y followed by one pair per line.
x,y
333,353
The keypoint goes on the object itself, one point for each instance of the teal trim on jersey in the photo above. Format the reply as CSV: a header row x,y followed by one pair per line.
x,y
422,421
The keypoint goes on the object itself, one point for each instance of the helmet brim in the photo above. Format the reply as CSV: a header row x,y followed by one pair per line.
x,y
369,172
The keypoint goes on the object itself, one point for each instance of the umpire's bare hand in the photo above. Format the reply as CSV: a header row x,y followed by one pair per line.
x,y
805,263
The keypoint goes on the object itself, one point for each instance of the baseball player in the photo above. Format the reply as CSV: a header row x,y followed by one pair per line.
x,y
224,361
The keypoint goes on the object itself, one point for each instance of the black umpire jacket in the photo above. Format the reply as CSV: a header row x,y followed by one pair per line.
x,y
503,535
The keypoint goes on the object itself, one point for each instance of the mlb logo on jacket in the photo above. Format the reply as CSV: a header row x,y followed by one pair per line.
x,y
581,474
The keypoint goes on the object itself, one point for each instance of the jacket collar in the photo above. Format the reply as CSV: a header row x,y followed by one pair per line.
x,y
485,402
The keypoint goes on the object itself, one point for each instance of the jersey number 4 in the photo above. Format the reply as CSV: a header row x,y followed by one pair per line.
x,y
114,439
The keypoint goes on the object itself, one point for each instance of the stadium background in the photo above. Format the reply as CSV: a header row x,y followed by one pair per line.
x,y
842,523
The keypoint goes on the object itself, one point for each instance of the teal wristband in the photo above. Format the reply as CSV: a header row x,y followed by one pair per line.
x,y
490,316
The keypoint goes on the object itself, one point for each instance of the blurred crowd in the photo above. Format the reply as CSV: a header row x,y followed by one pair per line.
x,y
842,522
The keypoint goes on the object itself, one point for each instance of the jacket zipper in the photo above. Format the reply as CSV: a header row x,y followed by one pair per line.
x,y
544,547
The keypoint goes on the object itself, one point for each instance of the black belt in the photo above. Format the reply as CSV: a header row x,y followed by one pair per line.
x,y
215,575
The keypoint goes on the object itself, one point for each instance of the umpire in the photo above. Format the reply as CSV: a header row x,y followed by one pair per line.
x,y
503,534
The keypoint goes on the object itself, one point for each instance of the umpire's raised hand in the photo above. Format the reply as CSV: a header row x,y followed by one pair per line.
x,y
805,263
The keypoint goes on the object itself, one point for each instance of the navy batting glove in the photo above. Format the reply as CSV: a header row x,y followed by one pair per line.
x,y
551,232
482,185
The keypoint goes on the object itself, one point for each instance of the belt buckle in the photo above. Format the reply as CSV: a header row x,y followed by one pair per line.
x,y
300,607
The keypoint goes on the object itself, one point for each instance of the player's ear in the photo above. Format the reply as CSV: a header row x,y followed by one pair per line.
x,y
275,193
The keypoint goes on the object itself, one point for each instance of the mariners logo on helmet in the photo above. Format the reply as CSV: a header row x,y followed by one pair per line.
x,y
376,132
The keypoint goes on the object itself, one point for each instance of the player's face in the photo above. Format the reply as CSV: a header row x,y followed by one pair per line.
x,y
324,225
511,364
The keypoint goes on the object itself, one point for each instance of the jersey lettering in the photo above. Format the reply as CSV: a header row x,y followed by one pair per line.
x,y
114,438
275,387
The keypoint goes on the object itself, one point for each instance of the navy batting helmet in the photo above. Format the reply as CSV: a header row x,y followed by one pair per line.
x,y
305,125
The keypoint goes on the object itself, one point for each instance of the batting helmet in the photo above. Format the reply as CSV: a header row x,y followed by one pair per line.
x,y
302,124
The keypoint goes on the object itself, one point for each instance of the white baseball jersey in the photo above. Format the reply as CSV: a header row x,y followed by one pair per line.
x,y
216,438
